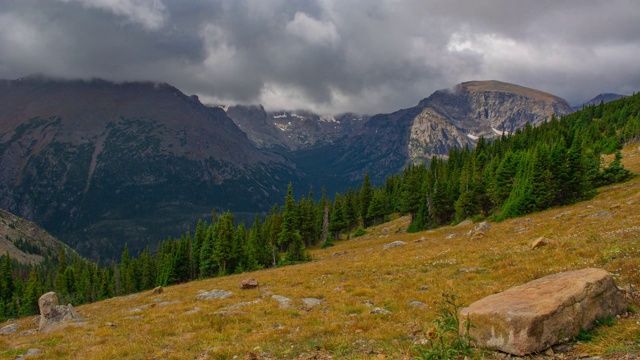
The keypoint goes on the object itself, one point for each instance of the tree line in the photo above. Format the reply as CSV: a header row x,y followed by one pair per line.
x,y
554,164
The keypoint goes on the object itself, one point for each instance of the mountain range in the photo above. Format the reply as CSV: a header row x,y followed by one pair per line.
x,y
100,164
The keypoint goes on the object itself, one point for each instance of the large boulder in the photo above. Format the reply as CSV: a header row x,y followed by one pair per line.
x,y
51,313
535,316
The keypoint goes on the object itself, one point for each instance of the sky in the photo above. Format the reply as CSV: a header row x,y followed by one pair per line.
x,y
328,56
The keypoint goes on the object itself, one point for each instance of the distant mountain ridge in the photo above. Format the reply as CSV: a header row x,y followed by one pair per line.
x,y
448,118
600,98
292,130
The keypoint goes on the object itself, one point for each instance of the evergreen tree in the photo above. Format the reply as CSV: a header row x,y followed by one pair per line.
x,y
7,284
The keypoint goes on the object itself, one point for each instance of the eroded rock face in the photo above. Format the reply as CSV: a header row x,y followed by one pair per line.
x,y
52,313
535,316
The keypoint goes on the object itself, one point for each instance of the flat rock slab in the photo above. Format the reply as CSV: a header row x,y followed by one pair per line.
x,y
213,294
393,245
542,313
311,302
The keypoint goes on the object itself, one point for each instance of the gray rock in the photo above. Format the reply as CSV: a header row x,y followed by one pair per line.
x,y
542,313
312,302
30,352
192,311
283,302
416,304
451,236
368,303
6,330
393,245
471,269
379,311
479,229
213,294
239,305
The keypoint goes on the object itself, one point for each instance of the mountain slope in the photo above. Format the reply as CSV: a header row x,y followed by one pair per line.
x,y
94,161
600,98
25,241
448,118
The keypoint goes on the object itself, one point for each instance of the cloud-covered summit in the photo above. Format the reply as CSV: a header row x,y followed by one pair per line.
x,y
328,56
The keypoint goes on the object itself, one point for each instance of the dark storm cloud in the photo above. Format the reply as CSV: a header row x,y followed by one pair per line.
x,y
327,55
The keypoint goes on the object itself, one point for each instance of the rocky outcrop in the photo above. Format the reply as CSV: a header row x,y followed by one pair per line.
x,y
535,316
51,313
9,329
459,116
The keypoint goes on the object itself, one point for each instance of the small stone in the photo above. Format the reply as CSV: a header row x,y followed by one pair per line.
x,y
562,348
250,283
283,302
451,236
423,288
614,206
6,330
378,310
192,311
479,229
540,242
110,324
471,269
32,352
157,290
368,303
416,304
393,245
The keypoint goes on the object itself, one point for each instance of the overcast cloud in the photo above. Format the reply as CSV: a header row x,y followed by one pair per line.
x,y
328,56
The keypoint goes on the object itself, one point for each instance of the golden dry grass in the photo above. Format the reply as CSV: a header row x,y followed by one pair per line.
x,y
603,232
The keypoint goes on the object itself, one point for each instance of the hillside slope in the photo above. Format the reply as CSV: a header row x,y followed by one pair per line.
x,y
99,164
356,276
25,241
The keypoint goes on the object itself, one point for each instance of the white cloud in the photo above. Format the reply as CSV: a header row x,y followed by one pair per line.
x,y
312,30
149,13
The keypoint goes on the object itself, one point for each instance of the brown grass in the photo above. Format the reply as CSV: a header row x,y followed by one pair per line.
x,y
603,232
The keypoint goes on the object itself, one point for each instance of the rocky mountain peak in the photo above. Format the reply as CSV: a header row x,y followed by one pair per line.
x,y
459,116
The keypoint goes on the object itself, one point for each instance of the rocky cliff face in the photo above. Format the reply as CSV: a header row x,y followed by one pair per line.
x,y
458,117
99,164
